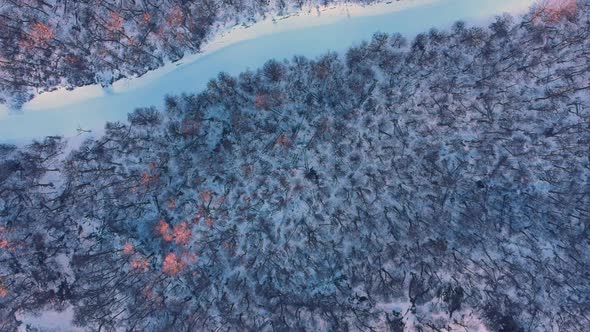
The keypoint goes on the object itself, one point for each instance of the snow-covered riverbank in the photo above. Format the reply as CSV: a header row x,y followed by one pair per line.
x,y
309,33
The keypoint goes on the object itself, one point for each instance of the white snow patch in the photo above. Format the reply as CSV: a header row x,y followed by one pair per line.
x,y
49,321
63,96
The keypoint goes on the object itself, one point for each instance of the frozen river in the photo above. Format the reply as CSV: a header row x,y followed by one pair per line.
x,y
336,29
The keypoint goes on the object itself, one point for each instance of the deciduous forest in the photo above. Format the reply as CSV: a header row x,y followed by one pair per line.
x,y
433,184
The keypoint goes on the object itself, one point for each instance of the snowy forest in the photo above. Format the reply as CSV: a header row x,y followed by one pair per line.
x,y
440,183
46,44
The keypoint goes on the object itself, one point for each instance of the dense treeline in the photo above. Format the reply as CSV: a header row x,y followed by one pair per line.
x,y
435,184
46,44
